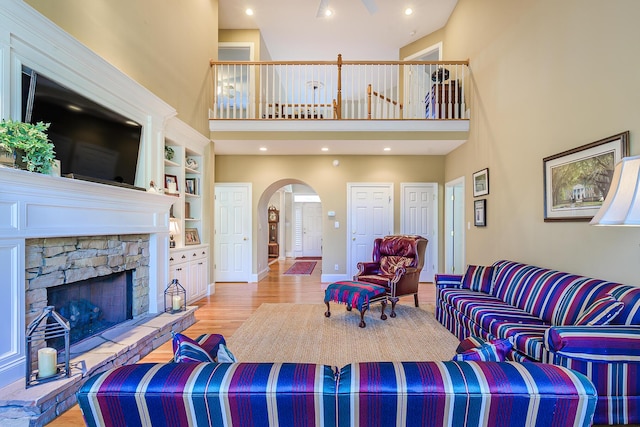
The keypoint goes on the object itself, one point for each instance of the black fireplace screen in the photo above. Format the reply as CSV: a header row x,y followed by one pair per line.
x,y
94,305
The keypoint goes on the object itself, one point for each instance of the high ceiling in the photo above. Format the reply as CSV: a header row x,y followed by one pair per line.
x,y
293,32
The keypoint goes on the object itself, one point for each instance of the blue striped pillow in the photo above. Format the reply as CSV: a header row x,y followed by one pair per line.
x,y
478,278
187,350
492,351
601,312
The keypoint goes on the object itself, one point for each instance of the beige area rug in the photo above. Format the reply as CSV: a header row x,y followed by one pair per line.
x,y
301,333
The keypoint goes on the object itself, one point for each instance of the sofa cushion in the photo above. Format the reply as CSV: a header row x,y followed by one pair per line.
x,y
630,296
492,351
527,339
188,350
225,355
478,278
601,312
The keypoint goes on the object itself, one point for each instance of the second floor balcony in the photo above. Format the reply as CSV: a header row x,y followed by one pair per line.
x,y
409,100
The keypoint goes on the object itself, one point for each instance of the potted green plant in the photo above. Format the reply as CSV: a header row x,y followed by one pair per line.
x,y
29,143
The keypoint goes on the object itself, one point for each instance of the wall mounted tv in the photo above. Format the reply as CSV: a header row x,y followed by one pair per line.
x,y
91,141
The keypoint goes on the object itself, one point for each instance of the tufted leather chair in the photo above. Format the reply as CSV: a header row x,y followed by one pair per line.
x,y
397,262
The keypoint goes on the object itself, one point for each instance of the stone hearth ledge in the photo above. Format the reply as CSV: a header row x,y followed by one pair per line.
x,y
124,344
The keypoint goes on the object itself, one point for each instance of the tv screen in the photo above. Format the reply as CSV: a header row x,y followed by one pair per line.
x,y
91,141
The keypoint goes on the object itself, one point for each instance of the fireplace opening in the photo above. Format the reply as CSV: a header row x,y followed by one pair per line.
x,y
93,305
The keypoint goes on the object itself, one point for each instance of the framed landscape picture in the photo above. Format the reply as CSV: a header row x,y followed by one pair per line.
x,y
481,183
577,181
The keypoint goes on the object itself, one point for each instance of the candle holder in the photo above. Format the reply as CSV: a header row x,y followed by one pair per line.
x,y
175,297
48,326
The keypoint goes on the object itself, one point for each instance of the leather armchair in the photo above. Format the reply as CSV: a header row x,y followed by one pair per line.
x,y
397,263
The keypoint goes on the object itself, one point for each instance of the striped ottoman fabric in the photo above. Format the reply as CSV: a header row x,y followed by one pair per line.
x,y
356,294
211,394
461,394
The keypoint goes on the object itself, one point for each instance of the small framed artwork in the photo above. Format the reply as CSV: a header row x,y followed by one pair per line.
x,y
171,184
481,183
480,213
190,185
191,236
577,181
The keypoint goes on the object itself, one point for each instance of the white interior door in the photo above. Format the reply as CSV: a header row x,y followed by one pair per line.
x,y
232,245
370,216
454,227
312,229
419,210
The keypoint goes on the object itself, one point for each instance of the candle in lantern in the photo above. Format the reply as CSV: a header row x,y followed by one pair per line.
x,y
177,302
47,362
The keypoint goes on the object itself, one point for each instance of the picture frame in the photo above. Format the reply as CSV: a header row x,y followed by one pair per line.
x,y
171,184
577,181
480,213
191,236
481,183
190,186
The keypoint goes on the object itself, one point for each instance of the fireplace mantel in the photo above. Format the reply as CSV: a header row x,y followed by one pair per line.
x,y
35,206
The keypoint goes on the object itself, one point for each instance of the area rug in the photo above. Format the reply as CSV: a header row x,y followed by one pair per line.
x,y
316,258
301,333
301,267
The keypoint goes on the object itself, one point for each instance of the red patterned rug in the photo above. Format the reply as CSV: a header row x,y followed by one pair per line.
x,y
316,258
301,267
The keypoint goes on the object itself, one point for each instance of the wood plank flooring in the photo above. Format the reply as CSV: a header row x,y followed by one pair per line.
x,y
233,303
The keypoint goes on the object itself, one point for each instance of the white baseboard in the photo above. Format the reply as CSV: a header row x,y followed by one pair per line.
x,y
330,278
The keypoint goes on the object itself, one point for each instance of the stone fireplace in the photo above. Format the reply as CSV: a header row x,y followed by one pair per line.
x,y
95,282
58,233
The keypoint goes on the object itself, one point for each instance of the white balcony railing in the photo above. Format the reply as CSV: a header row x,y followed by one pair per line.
x,y
340,90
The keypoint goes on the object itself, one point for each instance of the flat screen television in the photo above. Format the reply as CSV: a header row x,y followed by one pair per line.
x,y
91,141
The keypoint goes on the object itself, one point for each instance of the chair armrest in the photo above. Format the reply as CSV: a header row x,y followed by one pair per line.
x,y
368,268
448,281
610,343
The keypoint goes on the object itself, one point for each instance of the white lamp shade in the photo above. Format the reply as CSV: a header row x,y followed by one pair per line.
x,y
622,204
173,227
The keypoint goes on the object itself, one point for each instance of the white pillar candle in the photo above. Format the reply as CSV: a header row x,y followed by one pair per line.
x,y
47,362
177,302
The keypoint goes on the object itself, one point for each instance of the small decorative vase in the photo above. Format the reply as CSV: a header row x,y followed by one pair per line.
x,y
168,153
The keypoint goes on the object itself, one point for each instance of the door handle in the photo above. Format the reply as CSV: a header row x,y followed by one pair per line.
x,y
353,238
244,238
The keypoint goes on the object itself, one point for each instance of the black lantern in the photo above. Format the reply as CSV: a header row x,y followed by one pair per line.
x,y
48,327
175,297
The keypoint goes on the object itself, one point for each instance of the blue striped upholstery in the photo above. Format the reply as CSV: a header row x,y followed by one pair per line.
x,y
365,394
526,301
496,394
211,394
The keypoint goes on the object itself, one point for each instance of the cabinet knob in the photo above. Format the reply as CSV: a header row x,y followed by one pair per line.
x,y
184,256
171,259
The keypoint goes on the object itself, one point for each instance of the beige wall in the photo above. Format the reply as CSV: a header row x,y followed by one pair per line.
x,y
163,47
331,185
548,76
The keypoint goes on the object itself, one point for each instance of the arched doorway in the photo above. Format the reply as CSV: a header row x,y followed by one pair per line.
x,y
298,230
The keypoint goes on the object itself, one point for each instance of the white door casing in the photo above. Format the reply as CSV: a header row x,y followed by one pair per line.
x,y
419,216
232,239
370,215
454,233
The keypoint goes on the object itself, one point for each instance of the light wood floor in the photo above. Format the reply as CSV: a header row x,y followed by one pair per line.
x,y
233,303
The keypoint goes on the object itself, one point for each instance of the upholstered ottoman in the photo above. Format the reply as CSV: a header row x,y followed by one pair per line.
x,y
356,294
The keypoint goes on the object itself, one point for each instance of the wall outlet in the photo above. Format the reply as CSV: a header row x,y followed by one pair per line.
x,y
336,267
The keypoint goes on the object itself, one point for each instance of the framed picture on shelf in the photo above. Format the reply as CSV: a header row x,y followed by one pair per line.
x,y
481,183
170,184
577,181
191,236
480,213
190,185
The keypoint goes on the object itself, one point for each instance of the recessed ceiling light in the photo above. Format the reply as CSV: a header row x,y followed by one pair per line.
x,y
74,107
408,11
324,149
328,12
249,11
263,148
387,148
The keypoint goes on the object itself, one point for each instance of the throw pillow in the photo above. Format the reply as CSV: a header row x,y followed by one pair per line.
x,y
601,312
478,278
187,350
492,351
225,355
469,343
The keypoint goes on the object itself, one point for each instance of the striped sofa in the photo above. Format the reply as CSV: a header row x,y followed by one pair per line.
x,y
360,394
589,325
